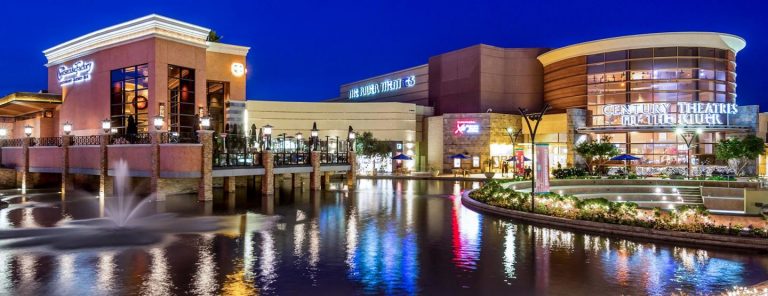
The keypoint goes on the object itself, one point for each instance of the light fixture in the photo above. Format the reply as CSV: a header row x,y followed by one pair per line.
x,y
238,69
28,130
158,122
699,131
509,130
268,134
67,128
268,130
679,131
113,130
106,125
351,138
299,136
205,122
3,132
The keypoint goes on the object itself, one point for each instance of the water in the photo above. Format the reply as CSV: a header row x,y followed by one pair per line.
x,y
388,237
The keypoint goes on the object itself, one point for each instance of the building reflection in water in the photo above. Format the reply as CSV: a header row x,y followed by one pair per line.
x,y
466,235
509,250
204,280
66,274
105,273
158,281
267,260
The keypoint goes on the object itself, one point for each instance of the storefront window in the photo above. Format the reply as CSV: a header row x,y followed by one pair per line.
x,y
181,94
217,92
129,97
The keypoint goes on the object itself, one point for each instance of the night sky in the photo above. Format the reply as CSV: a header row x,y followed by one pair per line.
x,y
303,50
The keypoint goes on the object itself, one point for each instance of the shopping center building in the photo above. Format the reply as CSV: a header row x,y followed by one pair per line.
x,y
637,90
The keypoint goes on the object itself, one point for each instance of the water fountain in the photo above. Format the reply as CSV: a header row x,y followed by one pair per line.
x,y
127,222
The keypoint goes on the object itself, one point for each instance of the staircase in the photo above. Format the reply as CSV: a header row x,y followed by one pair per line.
x,y
690,195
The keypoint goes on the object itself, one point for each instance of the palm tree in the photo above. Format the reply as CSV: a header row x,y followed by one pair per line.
x,y
213,37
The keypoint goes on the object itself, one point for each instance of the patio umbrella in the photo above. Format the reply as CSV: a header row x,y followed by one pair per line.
x,y
625,158
402,157
459,156
514,159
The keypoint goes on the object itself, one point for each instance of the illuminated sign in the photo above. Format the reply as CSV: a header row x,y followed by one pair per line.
x,y
385,86
80,71
237,69
685,113
466,127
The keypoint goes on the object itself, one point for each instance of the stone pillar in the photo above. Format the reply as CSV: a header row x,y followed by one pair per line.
x,y
66,178
103,166
205,186
268,180
314,176
295,180
25,177
230,184
352,173
326,180
576,118
154,180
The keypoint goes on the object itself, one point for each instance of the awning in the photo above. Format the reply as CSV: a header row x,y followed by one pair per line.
x,y
22,103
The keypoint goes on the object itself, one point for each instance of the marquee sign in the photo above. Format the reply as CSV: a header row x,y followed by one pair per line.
x,y
385,86
466,127
680,113
80,71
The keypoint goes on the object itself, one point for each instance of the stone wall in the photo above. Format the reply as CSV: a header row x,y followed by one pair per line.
x,y
7,178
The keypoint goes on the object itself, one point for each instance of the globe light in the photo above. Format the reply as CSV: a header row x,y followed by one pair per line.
x,y
158,122
106,125
67,127
113,130
28,130
205,122
3,132
299,136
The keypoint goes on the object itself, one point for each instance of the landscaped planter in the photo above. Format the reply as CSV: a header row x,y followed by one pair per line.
x,y
759,244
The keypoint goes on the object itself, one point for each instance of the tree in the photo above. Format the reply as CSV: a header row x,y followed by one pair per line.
x,y
597,153
370,147
213,37
739,152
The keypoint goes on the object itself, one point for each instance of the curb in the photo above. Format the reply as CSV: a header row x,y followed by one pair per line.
x,y
696,239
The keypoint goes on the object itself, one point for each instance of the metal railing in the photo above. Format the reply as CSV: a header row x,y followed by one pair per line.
x,y
86,140
122,139
235,151
13,142
179,138
45,141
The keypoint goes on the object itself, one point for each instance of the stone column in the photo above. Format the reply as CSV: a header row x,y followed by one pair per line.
x,y
230,184
352,173
268,180
25,177
326,180
295,180
576,118
314,176
205,186
154,178
104,187
66,178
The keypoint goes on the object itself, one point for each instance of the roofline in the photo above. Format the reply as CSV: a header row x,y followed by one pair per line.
x,y
694,39
227,48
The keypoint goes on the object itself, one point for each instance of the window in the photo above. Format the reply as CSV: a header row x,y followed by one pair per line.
x,y
181,94
217,92
129,97
475,161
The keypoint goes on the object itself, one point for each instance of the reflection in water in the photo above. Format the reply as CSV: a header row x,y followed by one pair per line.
x,y
386,237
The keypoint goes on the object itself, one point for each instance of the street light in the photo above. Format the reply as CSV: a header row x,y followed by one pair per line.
x,y
205,122
106,125
688,137
537,117
28,130
3,132
268,133
67,128
351,139
513,136
158,122
313,135
299,137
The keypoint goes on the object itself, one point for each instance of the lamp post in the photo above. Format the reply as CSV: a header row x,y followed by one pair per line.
x,y
67,128
299,138
106,125
513,136
688,137
537,117
28,130
268,134
313,135
351,139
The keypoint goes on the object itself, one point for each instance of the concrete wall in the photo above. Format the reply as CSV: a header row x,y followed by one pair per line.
x,y
12,157
45,157
435,153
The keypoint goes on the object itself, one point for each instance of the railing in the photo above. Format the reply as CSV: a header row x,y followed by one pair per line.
x,y
177,138
140,138
235,151
291,158
339,157
45,141
86,140
13,142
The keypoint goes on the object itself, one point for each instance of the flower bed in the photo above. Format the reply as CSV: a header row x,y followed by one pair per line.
x,y
685,218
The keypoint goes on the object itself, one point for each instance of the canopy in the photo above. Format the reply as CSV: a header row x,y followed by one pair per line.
x,y
625,157
402,157
514,159
459,156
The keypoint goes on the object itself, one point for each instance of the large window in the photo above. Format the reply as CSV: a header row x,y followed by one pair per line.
x,y
129,97
181,94
217,91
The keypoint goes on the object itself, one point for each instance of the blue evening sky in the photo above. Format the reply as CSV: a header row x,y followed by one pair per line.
x,y
303,50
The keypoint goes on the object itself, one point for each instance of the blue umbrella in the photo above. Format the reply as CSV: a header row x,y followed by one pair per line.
x,y
402,157
459,156
625,157
514,159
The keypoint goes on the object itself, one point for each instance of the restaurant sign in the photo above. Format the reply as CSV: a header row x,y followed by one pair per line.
x,y
464,127
388,85
80,71
680,113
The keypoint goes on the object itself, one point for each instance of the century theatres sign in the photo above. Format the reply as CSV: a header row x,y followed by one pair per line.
x,y
79,71
680,113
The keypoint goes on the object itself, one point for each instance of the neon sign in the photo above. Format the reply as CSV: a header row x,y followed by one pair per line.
x,y
466,127
385,86
79,72
685,113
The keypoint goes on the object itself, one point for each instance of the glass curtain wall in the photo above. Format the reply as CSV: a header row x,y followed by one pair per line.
x,y
181,95
129,97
